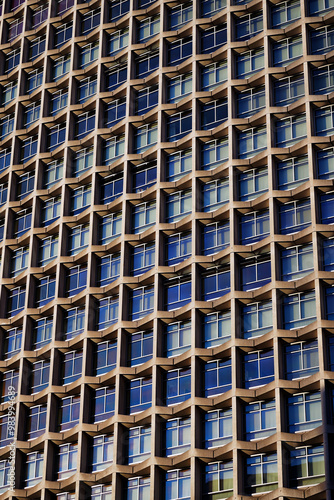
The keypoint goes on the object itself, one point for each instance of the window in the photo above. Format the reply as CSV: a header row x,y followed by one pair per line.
x,y
147,28
213,153
74,322
178,87
249,62
143,216
210,7
56,136
104,404
213,37
141,302
178,164
320,7
288,90
326,208
177,292
146,63
111,188
6,126
67,460
287,50
140,347
63,33
34,80
13,341
299,310
177,386
59,100
328,254
254,227
177,248
37,421
217,377
252,183
113,148
3,193
69,413
5,467
16,301
50,211
48,249
138,488
258,368
12,60
105,357
87,88
88,54
294,216
215,283
34,469
78,239
102,453
179,50
114,112
139,447
304,411
142,258
177,436
15,28
255,272
301,359
10,379
5,157
8,92
218,479
178,485
110,227
330,353
251,142
296,262
29,149
146,99
72,366
61,66
90,20
107,312
178,205
115,75
40,376
108,269
292,172
144,176
213,114
145,137
85,123
53,172
256,319
215,195
19,261
179,125
139,394
290,130
46,290
260,420
322,40
250,102
248,26
42,333
180,15
323,79
217,428
22,222
285,13
80,199
213,75
325,163
118,8
39,15
101,492
307,466
261,473
215,237
177,338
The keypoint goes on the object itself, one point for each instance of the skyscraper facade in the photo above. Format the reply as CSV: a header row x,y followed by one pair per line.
x,y
167,249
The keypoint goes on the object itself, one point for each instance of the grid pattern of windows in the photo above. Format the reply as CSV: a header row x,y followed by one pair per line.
x,y
166,246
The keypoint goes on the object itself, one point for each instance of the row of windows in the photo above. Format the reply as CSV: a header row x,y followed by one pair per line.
x,y
305,464
255,369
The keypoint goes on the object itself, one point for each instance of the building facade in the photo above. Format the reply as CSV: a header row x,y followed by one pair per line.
x,y
167,249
